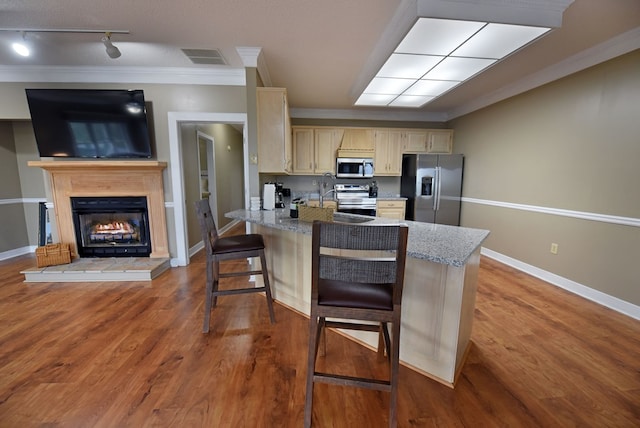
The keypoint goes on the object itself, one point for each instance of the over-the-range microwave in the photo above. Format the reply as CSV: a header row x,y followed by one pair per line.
x,y
354,167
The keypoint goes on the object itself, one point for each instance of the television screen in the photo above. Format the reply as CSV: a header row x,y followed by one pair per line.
x,y
89,123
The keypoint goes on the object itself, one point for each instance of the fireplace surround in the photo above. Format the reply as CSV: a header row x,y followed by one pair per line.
x,y
69,179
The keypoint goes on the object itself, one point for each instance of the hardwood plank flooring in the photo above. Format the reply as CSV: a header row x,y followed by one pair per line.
x,y
132,354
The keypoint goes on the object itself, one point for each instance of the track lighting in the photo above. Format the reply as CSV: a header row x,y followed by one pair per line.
x,y
21,47
112,51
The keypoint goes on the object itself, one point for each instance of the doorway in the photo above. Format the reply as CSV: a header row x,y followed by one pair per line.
x,y
177,171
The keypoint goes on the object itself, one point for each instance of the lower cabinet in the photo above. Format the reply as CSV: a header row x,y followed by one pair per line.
x,y
391,209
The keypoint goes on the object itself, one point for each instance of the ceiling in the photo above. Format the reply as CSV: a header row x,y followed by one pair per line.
x,y
323,52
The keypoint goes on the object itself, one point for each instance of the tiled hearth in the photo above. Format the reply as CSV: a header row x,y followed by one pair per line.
x,y
100,269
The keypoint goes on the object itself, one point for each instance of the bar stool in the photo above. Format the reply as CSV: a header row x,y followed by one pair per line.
x,y
357,275
229,248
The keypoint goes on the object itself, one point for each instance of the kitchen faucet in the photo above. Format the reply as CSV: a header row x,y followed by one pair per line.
x,y
322,185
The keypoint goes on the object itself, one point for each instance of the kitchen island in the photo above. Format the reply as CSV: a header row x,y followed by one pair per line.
x,y
439,289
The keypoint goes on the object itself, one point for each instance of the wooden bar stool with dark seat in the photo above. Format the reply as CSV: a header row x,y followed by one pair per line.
x,y
229,248
357,276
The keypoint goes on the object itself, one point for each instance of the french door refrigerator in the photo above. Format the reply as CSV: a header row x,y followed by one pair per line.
x,y
432,185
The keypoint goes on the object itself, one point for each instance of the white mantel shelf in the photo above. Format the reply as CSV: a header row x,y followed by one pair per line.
x,y
108,178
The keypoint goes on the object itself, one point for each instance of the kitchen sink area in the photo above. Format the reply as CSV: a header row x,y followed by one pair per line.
x,y
351,218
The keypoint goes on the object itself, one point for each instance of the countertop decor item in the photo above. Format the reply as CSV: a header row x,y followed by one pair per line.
x,y
306,213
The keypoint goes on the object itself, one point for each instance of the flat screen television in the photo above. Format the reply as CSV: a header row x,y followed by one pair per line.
x,y
95,123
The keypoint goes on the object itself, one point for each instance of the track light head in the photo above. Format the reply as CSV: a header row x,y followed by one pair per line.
x,y
112,51
22,47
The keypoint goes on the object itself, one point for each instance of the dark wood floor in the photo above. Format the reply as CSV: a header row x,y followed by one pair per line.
x,y
133,355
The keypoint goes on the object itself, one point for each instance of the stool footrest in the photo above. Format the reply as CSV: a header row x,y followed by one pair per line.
x,y
352,326
361,382
238,291
244,273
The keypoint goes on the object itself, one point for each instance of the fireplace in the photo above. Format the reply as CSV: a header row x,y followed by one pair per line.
x,y
107,179
111,226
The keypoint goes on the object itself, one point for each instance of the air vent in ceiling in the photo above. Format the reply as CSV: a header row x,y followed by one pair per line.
x,y
205,56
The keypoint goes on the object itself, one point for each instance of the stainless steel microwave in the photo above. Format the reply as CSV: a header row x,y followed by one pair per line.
x,y
354,167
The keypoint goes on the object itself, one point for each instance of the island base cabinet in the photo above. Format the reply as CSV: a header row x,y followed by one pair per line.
x,y
437,307
288,257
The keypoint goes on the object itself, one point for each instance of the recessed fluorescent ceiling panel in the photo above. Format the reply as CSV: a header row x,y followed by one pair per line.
x,y
439,54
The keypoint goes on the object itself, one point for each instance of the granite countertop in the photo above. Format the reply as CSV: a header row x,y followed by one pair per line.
x,y
379,198
437,243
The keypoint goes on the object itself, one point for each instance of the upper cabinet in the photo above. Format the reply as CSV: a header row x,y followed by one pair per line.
x,y
388,151
327,141
414,140
427,140
440,141
314,149
274,131
303,150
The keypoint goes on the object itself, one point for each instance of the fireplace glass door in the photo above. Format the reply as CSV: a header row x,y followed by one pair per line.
x,y
111,227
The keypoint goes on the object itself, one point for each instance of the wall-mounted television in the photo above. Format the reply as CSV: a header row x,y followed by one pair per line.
x,y
90,123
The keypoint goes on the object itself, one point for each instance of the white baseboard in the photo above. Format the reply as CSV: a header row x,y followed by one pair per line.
x,y
17,252
596,296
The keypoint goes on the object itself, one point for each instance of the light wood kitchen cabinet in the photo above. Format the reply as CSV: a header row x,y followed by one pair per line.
x,y
424,140
314,149
327,141
440,141
303,150
274,131
388,152
414,140
391,209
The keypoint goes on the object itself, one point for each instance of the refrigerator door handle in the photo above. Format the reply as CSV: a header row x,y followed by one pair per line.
x,y
438,186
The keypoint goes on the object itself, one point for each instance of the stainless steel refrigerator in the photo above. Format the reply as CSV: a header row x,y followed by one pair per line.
x,y
432,185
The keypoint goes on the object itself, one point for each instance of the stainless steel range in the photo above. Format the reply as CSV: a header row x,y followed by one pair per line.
x,y
355,199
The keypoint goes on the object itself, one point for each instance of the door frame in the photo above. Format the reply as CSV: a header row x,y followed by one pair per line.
x,y
177,171
210,158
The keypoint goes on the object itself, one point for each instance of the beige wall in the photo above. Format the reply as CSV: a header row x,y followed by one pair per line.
x,y
572,145
13,227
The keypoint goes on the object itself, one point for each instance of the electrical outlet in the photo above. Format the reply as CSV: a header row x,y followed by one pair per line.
x,y
554,248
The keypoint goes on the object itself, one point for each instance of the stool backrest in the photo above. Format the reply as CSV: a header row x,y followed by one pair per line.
x,y
357,253
207,224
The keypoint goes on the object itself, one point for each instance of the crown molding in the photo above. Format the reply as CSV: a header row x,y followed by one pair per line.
x,y
348,114
159,75
253,57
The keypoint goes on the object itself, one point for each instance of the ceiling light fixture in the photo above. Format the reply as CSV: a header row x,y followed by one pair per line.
x,y
437,55
112,51
22,49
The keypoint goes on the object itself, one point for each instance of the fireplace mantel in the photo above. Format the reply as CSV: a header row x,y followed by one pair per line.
x,y
108,178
